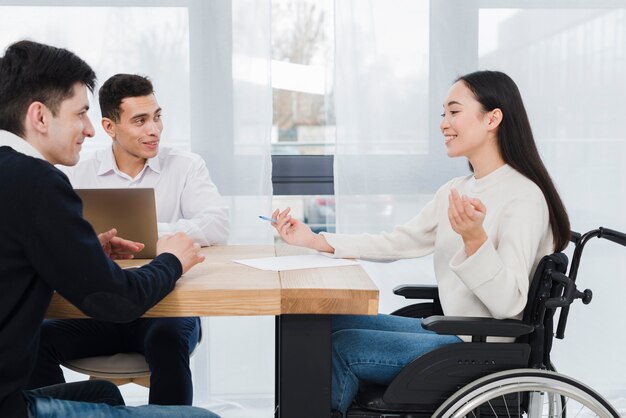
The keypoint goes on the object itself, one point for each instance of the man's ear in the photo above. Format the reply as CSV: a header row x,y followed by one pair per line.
x,y
38,117
109,126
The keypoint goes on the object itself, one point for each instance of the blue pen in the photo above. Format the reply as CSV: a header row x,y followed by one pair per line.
x,y
265,218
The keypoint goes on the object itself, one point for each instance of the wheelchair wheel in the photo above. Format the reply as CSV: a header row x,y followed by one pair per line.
x,y
525,393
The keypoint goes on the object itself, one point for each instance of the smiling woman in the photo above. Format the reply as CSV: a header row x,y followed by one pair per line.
x,y
483,264
469,130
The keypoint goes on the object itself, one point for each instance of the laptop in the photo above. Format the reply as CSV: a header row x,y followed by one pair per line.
x,y
131,211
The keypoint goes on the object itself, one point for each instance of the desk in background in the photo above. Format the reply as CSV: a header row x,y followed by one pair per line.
x,y
301,300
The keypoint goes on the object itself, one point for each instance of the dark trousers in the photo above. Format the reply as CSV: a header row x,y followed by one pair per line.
x,y
165,342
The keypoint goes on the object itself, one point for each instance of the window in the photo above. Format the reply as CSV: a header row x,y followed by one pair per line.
x,y
302,77
141,40
303,128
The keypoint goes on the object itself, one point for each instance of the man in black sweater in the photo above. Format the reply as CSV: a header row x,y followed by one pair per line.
x,y
46,245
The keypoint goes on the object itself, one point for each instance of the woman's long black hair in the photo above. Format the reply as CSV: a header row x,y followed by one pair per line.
x,y
494,89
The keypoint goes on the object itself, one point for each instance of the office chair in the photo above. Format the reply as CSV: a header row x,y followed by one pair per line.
x,y
488,379
119,368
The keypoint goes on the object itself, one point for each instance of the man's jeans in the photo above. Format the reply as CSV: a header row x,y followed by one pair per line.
x,y
375,348
98,399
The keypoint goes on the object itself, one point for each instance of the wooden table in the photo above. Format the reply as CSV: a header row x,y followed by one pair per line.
x,y
301,300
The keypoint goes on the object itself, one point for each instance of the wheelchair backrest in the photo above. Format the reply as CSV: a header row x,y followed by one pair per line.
x,y
543,287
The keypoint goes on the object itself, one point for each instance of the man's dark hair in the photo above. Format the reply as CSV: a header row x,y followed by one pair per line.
x,y
119,87
33,72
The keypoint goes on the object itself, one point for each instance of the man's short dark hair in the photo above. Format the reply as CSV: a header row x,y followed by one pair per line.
x,y
119,87
33,72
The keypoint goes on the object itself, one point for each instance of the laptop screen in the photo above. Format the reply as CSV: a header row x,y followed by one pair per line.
x,y
131,211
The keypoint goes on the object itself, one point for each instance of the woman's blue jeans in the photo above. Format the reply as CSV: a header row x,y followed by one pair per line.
x,y
101,399
375,349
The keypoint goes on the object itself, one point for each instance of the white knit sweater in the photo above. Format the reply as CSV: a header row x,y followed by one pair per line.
x,y
494,281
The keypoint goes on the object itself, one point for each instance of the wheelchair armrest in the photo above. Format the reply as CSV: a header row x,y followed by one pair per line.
x,y
480,327
417,292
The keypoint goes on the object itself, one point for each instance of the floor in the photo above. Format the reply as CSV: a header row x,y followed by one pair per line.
x,y
259,407
226,407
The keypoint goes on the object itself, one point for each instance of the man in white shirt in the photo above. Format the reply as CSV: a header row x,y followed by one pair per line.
x,y
186,200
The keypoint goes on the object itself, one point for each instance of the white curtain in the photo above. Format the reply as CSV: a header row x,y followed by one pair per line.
x,y
209,62
231,128
394,64
389,159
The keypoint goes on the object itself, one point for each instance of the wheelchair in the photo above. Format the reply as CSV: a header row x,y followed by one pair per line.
x,y
489,379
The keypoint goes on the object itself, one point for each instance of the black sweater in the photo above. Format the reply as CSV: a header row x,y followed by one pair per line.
x,y
46,245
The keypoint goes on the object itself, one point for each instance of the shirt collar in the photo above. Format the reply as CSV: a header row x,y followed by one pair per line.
x,y
155,164
108,164
18,144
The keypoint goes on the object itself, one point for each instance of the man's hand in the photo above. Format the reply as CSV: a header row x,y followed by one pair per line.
x,y
183,247
118,248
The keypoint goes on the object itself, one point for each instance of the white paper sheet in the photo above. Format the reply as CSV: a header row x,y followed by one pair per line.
x,y
295,262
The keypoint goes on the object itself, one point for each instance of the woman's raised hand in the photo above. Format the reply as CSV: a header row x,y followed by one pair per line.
x,y
466,218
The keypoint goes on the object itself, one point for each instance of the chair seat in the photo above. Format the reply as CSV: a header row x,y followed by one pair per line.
x,y
119,368
120,365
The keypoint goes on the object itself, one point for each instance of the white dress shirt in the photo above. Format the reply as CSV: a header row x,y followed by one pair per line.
x,y
186,198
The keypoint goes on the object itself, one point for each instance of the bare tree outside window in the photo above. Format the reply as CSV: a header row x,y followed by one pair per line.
x,y
303,116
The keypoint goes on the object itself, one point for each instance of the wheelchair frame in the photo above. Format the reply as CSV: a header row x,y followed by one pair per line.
x,y
455,380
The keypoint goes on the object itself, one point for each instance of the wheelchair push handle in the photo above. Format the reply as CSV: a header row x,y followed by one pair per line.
x,y
570,294
580,240
612,235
